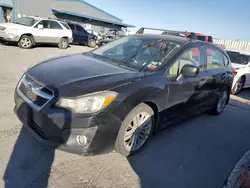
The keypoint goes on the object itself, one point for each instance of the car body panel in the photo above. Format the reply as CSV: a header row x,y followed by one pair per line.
x,y
80,74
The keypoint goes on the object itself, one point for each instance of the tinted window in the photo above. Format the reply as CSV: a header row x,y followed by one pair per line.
x,y
72,26
55,25
46,24
193,56
65,25
215,58
238,58
80,28
202,38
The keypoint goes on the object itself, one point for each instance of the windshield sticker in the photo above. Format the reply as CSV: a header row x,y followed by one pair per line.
x,y
152,67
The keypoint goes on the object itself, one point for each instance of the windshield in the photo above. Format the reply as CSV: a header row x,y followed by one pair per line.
x,y
139,53
27,21
238,58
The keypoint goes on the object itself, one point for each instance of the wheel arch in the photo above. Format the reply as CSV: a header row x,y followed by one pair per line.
x,y
27,34
155,108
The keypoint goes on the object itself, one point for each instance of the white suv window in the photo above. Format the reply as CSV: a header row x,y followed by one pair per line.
x,y
47,24
55,25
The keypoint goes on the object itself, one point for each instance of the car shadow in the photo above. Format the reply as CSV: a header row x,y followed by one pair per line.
x,y
245,94
30,162
191,154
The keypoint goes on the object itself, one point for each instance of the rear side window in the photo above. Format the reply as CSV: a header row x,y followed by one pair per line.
x,y
55,25
215,58
72,26
65,25
80,28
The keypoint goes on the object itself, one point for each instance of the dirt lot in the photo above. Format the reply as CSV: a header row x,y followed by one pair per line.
x,y
197,153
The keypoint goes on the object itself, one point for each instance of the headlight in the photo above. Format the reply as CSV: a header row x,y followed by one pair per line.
x,y
90,103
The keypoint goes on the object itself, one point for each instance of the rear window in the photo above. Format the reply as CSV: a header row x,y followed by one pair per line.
x,y
238,58
65,25
72,26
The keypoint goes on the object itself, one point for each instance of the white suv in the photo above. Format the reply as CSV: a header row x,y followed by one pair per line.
x,y
241,64
28,31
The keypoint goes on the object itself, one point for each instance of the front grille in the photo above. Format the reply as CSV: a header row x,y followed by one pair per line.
x,y
34,92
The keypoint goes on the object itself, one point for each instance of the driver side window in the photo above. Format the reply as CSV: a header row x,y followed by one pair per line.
x,y
191,56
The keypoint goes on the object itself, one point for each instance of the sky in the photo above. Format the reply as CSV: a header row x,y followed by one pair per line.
x,y
226,19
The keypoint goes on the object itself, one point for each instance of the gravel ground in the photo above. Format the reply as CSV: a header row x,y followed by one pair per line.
x,y
199,152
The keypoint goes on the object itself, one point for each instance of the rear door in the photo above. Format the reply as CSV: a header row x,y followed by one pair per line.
x,y
218,68
51,32
190,94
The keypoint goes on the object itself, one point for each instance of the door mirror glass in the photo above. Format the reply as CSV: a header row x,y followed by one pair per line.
x,y
190,70
40,26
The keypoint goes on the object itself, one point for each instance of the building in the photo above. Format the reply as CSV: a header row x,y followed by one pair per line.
x,y
6,7
75,10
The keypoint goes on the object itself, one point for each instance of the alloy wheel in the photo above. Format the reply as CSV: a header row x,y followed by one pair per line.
x,y
137,131
64,44
222,101
239,86
25,42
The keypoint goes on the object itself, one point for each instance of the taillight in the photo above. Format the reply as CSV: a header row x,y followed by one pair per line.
x,y
234,72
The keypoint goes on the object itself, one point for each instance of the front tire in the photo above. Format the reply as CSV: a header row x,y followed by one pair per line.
x,y
64,43
238,86
221,103
92,43
135,131
26,42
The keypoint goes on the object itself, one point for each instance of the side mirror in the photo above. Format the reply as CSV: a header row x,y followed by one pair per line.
x,y
40,26
190,70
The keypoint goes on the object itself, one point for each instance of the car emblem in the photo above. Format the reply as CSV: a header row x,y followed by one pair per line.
x,y
33,86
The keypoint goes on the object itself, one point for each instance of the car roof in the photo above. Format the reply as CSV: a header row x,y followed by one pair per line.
x,y
180,40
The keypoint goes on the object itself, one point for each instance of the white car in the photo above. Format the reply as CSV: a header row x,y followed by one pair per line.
x,y
28,31
99,35
241,64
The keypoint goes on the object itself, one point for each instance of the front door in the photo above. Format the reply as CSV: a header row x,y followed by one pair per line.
x,y
188,95
81,34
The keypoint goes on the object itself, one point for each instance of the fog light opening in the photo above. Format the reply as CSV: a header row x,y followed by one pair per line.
x,y
81,140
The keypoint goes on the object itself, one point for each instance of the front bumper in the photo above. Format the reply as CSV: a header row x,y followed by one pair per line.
x,y
58,129
70,40
7,37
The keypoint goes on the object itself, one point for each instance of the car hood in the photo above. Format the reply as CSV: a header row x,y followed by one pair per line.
x,y
79,74
13,26
235,65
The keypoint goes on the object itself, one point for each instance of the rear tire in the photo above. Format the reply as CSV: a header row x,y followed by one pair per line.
x,y
135,131
238,86
63,44
92,43
26,42
221,103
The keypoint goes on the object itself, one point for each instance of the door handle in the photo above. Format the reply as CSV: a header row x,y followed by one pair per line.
x,y
202,81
